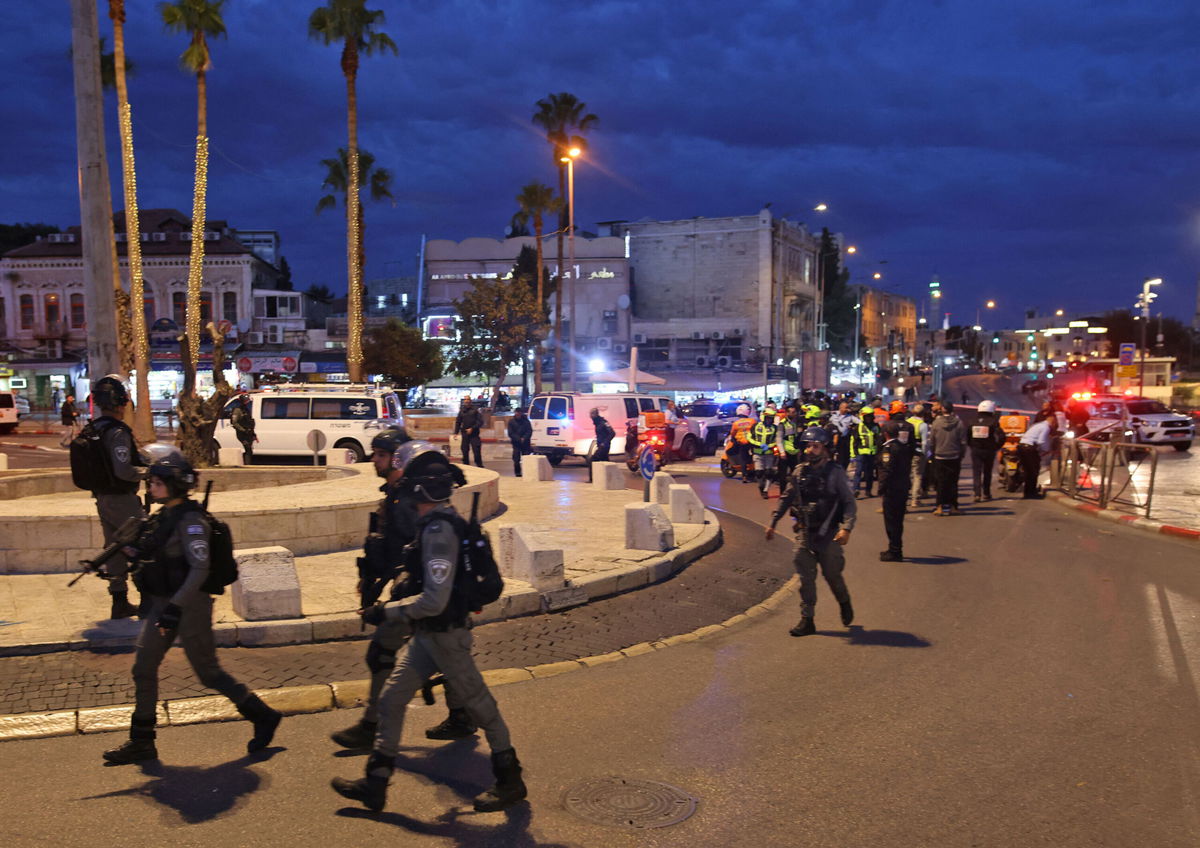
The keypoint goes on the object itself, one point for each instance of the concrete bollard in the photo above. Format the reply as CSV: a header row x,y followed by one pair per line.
x,y
609,476
685,505
267,586
3,462
660,487
538,564
228,457
536,467
647,528
339,456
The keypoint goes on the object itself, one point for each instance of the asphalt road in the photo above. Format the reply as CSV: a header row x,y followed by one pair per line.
x,y
1030,678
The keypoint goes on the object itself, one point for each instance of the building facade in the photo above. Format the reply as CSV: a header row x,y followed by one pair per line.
x,y
888,327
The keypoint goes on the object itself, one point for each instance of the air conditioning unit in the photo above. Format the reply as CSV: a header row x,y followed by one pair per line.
x,y
603,344
699,334
704,361
211,235
254,338
639,338
158,237
275,334
716,335
724,361
620,347
185,235
736,334
122,237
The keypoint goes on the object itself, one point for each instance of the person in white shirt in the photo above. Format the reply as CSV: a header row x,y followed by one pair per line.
x,y
1036,443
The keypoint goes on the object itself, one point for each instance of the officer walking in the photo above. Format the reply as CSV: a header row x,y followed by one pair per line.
x,y
520,433
604,435
243,426
441,639
864,442
469,423
173,550
116,495
762,445
393,526
823,507
895,464
985,440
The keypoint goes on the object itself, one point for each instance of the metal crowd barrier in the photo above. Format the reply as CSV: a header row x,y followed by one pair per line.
x,y
1113,474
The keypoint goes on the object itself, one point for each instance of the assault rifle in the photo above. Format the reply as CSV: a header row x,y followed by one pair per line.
x,y
128,533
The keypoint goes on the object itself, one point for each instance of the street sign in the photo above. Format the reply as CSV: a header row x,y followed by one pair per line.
x,y
1127,370
777,372
647,462
1126,354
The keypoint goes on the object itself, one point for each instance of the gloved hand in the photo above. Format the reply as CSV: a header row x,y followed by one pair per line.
x,y
168,619
375,614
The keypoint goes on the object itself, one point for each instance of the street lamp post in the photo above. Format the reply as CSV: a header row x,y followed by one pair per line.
x,y
1144,301
570,160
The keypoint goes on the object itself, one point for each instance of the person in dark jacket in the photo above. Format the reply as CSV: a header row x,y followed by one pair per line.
x,y
70,420
893,471
469,423
604,435
242,422
520,433
947,446
985,440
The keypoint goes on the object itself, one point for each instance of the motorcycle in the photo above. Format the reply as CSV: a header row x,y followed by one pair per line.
x,y
652,438
1011,475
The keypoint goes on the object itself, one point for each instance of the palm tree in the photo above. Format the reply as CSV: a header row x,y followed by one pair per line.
x,y
560,115
535,200
353,24
337,178
199,19
143,422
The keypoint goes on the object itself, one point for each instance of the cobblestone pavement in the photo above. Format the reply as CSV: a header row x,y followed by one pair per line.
x,y
743,572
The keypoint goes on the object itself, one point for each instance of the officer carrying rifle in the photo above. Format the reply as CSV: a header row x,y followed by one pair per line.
x,y
393,526
822,505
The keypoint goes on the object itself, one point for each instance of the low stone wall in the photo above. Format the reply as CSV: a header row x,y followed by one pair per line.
x,y
51,535
33,484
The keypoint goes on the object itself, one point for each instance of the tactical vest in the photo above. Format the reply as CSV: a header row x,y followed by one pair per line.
x,y
815,489
866,441
916,421
162,573
762,437
457,609
790,438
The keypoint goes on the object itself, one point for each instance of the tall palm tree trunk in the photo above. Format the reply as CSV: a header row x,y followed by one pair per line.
x,y
143,424
354,243
558,295
541,302
196,260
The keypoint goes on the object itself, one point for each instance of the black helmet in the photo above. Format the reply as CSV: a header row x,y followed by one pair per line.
x,y
110,393
390,440
816,434
172,467
428,474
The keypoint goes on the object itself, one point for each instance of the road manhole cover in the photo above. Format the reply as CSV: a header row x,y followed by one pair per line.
x,y
627,802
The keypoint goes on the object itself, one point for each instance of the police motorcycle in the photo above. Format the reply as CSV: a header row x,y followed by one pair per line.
x,y
649,435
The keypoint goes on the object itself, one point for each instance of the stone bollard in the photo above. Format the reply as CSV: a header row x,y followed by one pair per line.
x,y
647,528
227,457
267,586
526,558
339,456
685,505
609,476
660,487
3,462
536,467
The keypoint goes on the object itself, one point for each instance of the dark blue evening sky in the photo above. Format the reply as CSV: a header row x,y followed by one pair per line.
x,y
1044,154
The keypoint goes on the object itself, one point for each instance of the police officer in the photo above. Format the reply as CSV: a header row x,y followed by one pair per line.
x,y
604,435
469,423
520,432
864,442
762,445
894,472
243,426
173,551
116,501
823,506
441,639
393,527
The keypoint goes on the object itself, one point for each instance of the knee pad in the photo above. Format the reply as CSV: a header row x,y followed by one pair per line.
x,y
380,658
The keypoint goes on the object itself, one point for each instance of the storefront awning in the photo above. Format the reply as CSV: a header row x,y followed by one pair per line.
x,y
281,362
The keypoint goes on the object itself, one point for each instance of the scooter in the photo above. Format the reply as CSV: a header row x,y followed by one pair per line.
x,y
1011,475
653,439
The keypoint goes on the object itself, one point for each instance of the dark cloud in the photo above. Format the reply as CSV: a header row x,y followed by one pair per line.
x,y
1041,154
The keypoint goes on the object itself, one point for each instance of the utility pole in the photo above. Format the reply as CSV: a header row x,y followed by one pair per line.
x,y
95,200
1144,301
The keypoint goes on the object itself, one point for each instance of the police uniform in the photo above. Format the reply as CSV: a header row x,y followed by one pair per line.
x,y
894,473
825,490
118,502
468,423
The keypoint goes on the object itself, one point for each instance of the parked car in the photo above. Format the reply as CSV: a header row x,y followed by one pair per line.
x,y
1148,421
22,405
562,427
713,421
8,412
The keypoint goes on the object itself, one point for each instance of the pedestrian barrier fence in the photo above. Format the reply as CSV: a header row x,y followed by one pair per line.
x,y
1113,474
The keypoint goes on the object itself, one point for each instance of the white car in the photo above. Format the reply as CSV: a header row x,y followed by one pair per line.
x,y
349,416
8,412
562,424
1149,421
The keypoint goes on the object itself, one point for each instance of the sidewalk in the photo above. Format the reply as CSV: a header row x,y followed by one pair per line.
x,y
39,614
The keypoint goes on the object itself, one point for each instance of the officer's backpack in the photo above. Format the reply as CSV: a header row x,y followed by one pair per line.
x,y
478,568
222,567
89,465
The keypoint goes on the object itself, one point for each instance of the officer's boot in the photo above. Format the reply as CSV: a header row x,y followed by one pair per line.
x,y
847,612
805,627
370,790
121,608
509,788
138,748
361,734
264,719
458,725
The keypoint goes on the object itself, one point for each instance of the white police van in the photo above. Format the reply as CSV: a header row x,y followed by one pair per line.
x,y
562,423
8,412
349,415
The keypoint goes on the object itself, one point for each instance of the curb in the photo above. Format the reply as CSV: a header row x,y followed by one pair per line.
x,y
322,697
1125,519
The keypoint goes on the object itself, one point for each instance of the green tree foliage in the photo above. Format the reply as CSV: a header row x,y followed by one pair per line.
x,y
285,275
320,293
840,319
497,327
13,236
1122,327
402,355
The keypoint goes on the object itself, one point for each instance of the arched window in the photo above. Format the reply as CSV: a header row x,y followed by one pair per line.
x,y
229,307
26,312
78,322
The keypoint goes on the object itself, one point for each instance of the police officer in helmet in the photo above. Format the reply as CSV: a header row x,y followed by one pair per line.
x,y
393,527
173,553
441,638
822,504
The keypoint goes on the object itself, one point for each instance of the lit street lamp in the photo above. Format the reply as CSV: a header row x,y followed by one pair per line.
x,y
572,154
1144,301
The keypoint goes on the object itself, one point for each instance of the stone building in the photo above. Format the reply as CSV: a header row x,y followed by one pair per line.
x,y
888,327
